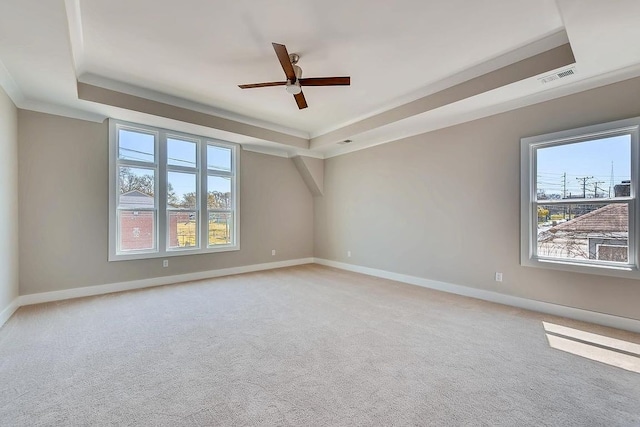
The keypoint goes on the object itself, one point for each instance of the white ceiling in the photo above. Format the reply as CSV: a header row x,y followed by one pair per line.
x,y
194,54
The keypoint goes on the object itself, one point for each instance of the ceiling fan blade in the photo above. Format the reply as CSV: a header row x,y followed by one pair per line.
x,y
326,81
267,84
285,62
302,103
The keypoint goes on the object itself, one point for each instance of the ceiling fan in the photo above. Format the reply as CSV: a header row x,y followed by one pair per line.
x,y
295,81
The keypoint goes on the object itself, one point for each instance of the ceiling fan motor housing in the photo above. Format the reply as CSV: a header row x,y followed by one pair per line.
x,y
298,71
294,88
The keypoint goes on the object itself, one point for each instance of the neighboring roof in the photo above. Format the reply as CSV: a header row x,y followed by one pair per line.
x,y
136,199
609,218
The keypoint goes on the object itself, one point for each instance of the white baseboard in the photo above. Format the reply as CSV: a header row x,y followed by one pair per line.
x,y
155,281
543,307
8,311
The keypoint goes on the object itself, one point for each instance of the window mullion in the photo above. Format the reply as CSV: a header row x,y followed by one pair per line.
x,y
161,198
164,173
223,174
632,239
134,164
533,229
235,196
634,209
181,169
203,213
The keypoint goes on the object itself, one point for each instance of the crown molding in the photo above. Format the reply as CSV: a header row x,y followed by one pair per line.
x,y
550,94
76,38
527,50
10,87
125,88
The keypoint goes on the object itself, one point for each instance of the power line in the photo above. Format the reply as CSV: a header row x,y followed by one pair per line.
x,y
595,188
584,180
189,162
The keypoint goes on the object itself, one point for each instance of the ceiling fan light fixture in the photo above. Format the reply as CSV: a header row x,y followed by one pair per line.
x,y
294,88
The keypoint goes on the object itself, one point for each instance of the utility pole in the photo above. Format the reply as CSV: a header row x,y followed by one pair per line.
x,y
584,180
595,188
611,182
564,194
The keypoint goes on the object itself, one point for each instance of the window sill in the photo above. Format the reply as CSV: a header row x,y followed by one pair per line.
x,y
171,253
627,272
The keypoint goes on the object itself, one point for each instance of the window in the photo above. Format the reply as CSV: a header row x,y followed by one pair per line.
x,y
170,193
579,199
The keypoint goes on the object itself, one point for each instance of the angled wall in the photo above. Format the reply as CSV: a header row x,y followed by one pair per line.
x,y
312,172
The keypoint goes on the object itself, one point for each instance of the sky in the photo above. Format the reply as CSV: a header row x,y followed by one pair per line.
x,y
585,159
140,146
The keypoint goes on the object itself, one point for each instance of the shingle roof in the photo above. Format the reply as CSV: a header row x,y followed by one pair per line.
x,y
609,218
136,199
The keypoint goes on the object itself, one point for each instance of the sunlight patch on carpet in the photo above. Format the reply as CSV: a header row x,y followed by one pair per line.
x,y
612,351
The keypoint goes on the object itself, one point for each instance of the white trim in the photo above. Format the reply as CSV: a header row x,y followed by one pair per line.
x,y
529,202
129,89
10,86
286,153
60,110
270,151
76,36
152,282
570,88
9,310
161,169
527,304
546,43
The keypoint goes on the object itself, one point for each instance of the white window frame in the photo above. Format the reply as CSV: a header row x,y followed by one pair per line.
x,y
160,210
528,206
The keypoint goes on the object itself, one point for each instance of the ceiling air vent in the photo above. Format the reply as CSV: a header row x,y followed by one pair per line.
x,y
557,76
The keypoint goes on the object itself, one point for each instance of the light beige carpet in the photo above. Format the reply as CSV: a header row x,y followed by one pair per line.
x,y
301,346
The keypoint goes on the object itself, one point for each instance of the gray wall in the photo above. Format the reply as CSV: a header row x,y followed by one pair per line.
x,y
445,205
63,184
9,196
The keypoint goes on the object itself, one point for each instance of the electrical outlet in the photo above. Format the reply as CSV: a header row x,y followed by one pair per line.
x,y
498,277
348,254
165,263
273,252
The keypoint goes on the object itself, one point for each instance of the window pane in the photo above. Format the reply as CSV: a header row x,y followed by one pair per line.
x,y
218,158
220,228
584,232
183,229
136,188
616,253
181,190
137,230
219,192
136,146
598,168
181,153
